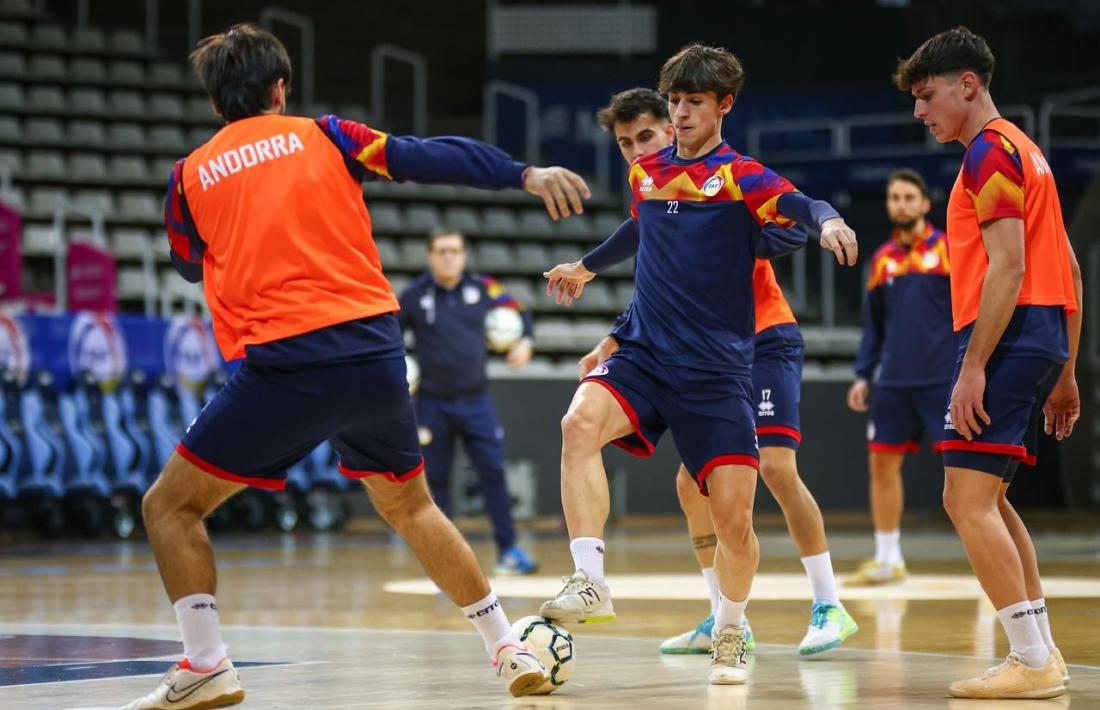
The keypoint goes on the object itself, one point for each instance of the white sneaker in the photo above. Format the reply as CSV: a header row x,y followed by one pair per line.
x,y
521,670
829,627
183,689
580,602
727,658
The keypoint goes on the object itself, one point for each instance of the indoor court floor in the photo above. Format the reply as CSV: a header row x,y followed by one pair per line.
x,y
348,621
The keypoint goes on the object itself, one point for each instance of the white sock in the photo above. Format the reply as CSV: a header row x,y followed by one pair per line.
x,y
820,569
488,617
888,548
202,637
1024,638
730,613
712,586
588,555
1042,617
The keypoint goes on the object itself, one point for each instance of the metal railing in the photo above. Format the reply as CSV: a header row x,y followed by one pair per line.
x,y
1068,105
306,68
419,65
63,209
530,100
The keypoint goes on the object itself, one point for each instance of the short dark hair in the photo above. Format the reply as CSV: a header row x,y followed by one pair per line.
x,y
628,105
444,232
238,69
698,68
955,50
910,176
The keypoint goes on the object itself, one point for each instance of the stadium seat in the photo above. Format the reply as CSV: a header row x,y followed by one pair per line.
x,y
127,136
88,167
605,223
44,164
388,252
47,67
13,35
494,257
43,201
128,169
168,106
535,223
414,255
129,242
89,40
127,104
499,222
565,252
12,97
87,70
532,257
43,131
522,291
17,8
199,135
127,42
140,205
578,226
46,37
10,160
126,73
87,134
85,101
11,131
385,217
462,219
168,139
14,197
421,219
45,99
166,75
198,108
131,284
598,297
101,201
12,65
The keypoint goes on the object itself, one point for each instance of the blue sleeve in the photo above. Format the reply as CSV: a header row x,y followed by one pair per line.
x,y
452,160
804,210
619,247
775,241
874,328
186,248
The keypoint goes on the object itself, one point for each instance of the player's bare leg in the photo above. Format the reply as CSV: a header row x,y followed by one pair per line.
x,y
594,418
887,504
830,623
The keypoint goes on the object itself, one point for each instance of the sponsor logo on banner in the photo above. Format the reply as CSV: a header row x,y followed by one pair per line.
x,y
96,346
190,356
15,356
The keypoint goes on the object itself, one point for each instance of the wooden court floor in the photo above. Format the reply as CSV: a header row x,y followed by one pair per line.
x,y
348,621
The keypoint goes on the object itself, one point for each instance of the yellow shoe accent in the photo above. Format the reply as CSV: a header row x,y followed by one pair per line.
x,y
1012,679
872,573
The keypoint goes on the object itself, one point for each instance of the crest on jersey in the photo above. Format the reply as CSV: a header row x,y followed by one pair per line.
x,y
712,186
471,295
930,259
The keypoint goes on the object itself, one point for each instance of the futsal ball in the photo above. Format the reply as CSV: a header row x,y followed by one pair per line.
x,y
552,645
412,373
503,328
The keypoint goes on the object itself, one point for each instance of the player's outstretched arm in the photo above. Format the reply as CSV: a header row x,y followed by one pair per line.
x,y
836,235
559,189
566,281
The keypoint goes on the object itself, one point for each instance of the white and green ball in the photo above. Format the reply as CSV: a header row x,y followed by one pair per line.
x,y
552,645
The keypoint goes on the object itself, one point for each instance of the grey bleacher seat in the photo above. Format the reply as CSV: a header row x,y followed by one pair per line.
x,y
17,8
565,252
140,205
385,217
130,283
606,222
597,296
159,242
87,69
535,223
12,160
167,138
129,242
13,65
126,73
14,197
199,108
624,292
45,99
12,34
126,136
624,269
88,134
398,282
165,106
199,135
463,219
499,222
532,257
128,168
160,169
43,131
493,257
47,67
166,74
38,239
43,200
127,42
101,201
421,219
90,167
48,37
577,226
12,97
388,252
87,101
555,334
88,39
11,131
521,290
126,104
414,254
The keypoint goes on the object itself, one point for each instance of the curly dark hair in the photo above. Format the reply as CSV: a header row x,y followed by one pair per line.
x,y
627,105
238,69
955,50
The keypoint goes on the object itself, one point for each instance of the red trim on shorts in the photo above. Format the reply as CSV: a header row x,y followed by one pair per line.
x,y
631,415
270,484
780,430
724,460
937,446
1031,459
1017,452
907,447
388,475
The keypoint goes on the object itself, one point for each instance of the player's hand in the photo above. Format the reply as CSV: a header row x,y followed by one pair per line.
x,y
967,409
520,354
559,188
1063,406
566,281
605,349
840,239
857,395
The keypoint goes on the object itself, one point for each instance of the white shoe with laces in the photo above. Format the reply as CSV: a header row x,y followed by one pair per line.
x,y
183,688
727,658
580,601
521,670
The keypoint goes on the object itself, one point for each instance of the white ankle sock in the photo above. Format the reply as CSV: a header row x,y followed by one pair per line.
x,y
588,555
1042,617
488,617
203,646
1024,638
730,613
820,570
888,548
712,586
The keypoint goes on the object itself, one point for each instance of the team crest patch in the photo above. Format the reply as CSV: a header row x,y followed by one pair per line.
x,y
931,260
471,294
712,186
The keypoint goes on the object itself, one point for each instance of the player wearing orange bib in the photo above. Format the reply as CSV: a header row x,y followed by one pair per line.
x,y
1015,295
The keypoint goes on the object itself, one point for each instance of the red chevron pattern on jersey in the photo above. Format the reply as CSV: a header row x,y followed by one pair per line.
x,y
928,255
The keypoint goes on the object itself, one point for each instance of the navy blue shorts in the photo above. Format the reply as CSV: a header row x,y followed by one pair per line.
x,y
1015,391
265,419
710,415
777,385
900,415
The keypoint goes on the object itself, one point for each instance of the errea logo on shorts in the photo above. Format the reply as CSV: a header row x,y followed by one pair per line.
x,y
947,423
766,407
